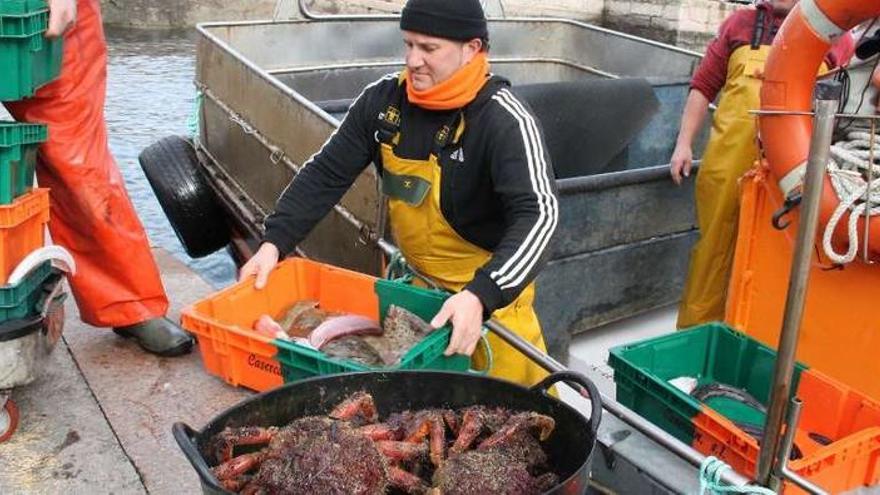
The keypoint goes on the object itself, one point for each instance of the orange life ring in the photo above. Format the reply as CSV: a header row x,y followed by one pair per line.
x,y
789,79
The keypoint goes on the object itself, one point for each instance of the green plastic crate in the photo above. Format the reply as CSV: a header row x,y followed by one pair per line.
x,y
27,59
21,7
299,362
18,157
710,353
19,300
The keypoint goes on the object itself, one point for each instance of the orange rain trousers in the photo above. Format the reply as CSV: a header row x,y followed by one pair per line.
x,y
117,281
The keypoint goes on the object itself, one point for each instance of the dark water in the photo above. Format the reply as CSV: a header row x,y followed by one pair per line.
x,y
150,94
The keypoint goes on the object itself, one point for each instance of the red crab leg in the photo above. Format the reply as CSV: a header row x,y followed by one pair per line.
x,y
471,427
406,481
451,420
359,403
402,451
235,485
418,433
230,438
380,431
541,426
252,489
431,424
546,481
234,468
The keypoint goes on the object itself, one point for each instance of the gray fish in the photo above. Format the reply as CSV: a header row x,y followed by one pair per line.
x,y
353,348
402,331
294,313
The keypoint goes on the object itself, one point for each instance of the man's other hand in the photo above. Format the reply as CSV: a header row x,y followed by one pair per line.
x,y
466,313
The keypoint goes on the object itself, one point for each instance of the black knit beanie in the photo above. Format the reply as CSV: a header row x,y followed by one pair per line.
x,y
460,20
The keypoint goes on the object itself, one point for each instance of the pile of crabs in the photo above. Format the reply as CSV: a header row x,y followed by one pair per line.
x,y
474,450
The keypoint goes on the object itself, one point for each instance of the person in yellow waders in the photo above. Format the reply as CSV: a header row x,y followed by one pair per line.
x,y
732,66
463,163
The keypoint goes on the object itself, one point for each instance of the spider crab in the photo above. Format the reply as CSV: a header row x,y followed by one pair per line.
x,y
434,451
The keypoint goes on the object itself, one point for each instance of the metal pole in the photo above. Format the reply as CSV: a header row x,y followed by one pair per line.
x,y
308,14
794,416
624,414
866,255
803,484
827,96
782,470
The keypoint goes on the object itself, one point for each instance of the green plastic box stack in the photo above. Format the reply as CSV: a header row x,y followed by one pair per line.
x,y
28,61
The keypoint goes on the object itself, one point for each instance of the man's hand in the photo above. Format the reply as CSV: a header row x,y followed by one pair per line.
x,y
466,312
62,14
260,264
681,163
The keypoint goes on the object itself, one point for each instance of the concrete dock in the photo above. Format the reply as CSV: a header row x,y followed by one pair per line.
x,y
99,419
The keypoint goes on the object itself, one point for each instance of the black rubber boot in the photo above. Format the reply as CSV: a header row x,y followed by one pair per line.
x,y
158,336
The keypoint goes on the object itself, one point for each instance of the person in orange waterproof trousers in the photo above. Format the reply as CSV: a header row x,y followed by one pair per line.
x,y
117,282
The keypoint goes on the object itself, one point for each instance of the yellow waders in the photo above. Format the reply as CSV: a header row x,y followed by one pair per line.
x,y
730,153
433,248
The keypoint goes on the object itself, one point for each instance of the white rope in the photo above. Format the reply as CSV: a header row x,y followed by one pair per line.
x,y
848,171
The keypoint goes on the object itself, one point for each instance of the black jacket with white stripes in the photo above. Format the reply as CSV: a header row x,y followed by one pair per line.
x,y
500,195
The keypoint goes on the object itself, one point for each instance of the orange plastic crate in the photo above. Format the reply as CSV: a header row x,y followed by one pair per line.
x,y
223,322
840,334
22,229
832,411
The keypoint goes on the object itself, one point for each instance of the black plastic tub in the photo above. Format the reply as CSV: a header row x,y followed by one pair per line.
x,y
570,447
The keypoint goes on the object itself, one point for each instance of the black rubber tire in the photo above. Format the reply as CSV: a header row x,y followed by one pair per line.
x,y
190,204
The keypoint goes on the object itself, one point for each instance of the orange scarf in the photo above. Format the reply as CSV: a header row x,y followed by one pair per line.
x,y
455,92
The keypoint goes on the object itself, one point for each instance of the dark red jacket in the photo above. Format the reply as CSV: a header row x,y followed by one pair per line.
x,y
737,31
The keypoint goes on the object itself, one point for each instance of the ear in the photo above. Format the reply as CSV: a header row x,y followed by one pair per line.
x,y
471,48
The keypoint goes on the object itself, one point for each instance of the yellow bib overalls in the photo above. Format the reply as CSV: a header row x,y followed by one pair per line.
x,y
732,150
432,247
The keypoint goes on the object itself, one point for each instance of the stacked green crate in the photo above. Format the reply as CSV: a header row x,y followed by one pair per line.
x,y
18,157
27,59
20,300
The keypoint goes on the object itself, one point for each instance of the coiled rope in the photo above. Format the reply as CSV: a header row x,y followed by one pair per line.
x,y
855,175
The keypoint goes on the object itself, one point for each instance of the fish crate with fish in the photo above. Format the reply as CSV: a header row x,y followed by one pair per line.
x,y
709,386
315,319
350,343
398,432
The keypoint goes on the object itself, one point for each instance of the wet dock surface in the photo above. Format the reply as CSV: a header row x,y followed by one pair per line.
x,y
99,419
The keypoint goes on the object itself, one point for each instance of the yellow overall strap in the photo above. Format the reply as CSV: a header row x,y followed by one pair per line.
x,y
731,151
435,249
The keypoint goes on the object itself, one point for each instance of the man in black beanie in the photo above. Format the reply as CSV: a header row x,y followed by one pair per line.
x,y
471,193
